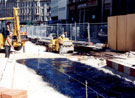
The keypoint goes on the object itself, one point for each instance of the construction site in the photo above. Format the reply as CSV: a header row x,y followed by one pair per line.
x,y
77,60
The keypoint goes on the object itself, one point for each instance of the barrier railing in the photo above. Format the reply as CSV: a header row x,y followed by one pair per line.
x,y
88,32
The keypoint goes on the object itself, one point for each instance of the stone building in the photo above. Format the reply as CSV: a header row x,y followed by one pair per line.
x,y
30,11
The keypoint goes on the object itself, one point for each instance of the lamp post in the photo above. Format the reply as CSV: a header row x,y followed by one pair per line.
x,y
110,7
102,10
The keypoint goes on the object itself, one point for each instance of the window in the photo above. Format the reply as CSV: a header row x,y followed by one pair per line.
x,y
62,8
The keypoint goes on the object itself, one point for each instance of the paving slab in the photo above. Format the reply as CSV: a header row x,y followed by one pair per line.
x,y
18,76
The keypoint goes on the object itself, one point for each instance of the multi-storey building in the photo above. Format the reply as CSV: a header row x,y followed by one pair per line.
x,y
89,10
30,11
98,10
59,10
122,7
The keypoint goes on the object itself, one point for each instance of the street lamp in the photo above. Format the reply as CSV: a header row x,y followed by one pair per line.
x,y
102,10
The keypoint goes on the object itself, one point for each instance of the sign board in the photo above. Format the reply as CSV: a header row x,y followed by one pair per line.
x,y
82,5
92,3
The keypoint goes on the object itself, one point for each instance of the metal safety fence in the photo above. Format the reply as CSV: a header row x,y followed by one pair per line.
x,y
88,32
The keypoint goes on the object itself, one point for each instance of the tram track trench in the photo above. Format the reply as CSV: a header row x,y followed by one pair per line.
x,y
68,77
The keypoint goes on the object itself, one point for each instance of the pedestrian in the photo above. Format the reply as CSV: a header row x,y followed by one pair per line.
x,y
8,45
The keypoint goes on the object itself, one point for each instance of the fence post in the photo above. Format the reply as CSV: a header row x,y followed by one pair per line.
x,y
32,32
45,30
70,31
27,29
86,83
89,33
40,27
57,30
75,31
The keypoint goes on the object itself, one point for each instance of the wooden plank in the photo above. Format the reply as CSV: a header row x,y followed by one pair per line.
x,y
121,33
130,38
112,29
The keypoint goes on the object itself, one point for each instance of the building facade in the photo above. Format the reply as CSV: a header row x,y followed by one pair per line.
x,y
30,11
95,11
59,10
89,10
122,7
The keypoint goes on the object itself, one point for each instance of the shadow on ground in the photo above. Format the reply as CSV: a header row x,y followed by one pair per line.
x,y
69,77
2,50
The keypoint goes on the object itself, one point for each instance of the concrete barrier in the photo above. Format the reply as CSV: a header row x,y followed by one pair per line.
x,y
121,67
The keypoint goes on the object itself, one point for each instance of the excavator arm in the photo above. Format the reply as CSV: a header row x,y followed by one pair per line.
x,y
16,24
6,18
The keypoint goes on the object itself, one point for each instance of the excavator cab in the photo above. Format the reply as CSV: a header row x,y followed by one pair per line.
x,y
3,28
3,33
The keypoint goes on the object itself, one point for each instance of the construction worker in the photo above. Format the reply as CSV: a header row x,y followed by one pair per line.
x,y
8,41
64,34
8,45
61,38
61,42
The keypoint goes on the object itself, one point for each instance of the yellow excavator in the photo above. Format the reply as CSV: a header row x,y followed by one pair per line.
x,y
19,38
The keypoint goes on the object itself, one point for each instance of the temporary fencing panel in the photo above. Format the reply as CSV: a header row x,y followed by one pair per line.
x,y
97,33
